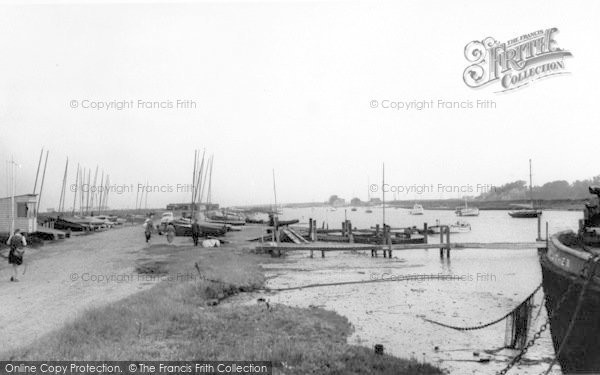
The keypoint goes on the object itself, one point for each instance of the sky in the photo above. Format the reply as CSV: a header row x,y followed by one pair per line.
x,y
288,87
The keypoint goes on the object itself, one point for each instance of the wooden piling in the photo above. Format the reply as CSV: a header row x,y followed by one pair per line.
x,y
425,232
448,242
539,228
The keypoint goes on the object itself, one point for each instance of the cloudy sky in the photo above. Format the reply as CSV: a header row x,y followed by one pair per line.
x,y
288,86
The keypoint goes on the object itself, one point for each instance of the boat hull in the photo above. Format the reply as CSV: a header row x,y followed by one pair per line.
x,y
561,268
525,214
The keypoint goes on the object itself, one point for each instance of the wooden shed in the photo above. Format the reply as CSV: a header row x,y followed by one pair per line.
x,y
25,214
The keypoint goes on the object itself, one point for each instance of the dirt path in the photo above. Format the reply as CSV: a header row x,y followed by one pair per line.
x,y
65,278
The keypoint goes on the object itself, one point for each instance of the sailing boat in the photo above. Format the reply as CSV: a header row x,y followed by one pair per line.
x,y
466,211
368,210
527,211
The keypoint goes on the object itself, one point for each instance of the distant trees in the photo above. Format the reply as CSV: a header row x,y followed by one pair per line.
x,y
559,189
356,202
333,199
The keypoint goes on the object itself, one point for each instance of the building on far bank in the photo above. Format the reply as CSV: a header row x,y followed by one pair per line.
x,y
25,214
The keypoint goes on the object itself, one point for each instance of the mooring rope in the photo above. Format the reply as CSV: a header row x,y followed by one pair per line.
x,y
481,326
395,279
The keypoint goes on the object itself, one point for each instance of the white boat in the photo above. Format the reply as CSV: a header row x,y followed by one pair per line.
x,y
458,227
417,210
467,211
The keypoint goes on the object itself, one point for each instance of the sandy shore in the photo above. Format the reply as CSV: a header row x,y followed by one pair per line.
x,y
64,278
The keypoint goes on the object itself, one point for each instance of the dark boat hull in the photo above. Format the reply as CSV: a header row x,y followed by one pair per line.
x,y
525,214
581,353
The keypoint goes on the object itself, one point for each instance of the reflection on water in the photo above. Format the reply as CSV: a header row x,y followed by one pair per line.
x,y
486,285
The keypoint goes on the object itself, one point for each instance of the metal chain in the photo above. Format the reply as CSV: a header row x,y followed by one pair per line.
x,y
544,326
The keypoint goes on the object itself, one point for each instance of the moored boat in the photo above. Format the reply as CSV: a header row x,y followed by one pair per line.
x,y
458,227
527,211
568,265
467,211
417,210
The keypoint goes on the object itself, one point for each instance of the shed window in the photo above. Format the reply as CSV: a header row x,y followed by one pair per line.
x,y
22,209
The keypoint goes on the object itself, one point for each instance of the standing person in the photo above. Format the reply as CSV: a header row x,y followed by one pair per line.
x,y
15,257
149,228
170,232
195,232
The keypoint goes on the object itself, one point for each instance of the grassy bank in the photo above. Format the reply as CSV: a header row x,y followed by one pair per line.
x,y
173,321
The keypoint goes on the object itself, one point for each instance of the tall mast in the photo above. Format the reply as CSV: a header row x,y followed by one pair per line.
x,y
12,194
209,193
76,188
383,190
194,182
42,183
530,185
101,186
275,192
38,170
63,191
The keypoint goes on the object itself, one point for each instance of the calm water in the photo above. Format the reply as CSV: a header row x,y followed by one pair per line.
x,y
492,283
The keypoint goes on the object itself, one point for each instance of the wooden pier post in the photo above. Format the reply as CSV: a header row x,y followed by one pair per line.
x,y
349,227
389,243
448,242
310,226
425,232
343,229
377,229
441,242
539,228
384,239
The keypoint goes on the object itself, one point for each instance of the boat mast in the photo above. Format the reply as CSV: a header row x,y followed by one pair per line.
x,y
275,192
76,188
42,183
383,191
194,182
530,185
38,170
12,194
61,201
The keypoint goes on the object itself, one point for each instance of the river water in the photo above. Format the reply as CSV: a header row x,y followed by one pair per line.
x,y
487,284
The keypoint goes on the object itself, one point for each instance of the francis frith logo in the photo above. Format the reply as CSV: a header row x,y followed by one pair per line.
x,y
515,63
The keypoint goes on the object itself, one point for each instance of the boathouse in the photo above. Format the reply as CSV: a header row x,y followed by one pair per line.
x,y
24,211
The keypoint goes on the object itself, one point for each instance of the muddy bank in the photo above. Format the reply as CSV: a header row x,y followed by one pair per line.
x,y
173,319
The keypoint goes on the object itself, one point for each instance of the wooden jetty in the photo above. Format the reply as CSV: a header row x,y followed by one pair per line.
x,y
323,247
384,242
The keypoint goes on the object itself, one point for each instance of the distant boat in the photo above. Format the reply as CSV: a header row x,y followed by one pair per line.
x,y
525,213
567,268
528,211
368,211
467,211
458,227
417,210
353,209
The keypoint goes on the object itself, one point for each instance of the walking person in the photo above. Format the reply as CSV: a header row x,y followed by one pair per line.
x,y
15,257
195,232
149,228
170,232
